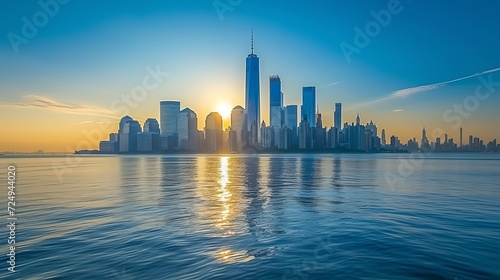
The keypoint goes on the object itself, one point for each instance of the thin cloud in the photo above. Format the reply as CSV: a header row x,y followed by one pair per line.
x,y
41,102
411,91
398,110
419,89
332,84
87,122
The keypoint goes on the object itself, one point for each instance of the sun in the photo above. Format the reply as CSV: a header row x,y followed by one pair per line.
x,y
224,110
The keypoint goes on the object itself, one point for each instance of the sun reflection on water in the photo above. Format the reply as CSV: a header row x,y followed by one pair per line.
x,y
224,194
227,256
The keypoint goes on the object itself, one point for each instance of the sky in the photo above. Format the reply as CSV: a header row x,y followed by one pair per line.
x,y
70,69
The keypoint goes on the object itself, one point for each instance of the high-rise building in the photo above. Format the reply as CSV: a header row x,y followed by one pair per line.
x,y
213,132
169,115
149,140
267,136
425,146
395,142
357,137
461,137
305,135
291,122
151,125
337,116
373,128
239,126
252,96
384,142
309,105
123,121
332,141
276,105
319,133
285,140
275,100
128,136
187,127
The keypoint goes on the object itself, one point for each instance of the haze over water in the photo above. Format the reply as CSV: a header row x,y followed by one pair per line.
x,y
257,217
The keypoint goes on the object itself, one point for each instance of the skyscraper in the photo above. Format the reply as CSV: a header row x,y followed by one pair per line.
x,y
128,136
151,125
252,95
275,100
304,135
276,105
239,126
121,127
149,140
291,121
337,118
425,146
213,132
123,121
187,126
461,137
319,133
169,115
309,105
384,142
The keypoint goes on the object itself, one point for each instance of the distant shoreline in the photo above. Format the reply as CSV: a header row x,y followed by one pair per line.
x,y
97,153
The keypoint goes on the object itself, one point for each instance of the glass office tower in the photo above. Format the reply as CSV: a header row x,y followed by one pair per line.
x,y
308,110
252,96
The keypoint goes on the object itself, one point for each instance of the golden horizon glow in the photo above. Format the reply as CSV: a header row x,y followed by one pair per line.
x,y
224,109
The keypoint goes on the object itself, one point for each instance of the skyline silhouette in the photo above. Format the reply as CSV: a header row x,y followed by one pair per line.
x,y
286,131
81,70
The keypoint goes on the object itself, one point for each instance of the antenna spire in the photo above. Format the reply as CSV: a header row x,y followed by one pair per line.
x,y
252,41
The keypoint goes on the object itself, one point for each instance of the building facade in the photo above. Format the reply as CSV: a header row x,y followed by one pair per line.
x,y
252,96
308,111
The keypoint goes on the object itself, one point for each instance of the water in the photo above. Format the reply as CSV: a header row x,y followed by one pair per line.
x,y
256,217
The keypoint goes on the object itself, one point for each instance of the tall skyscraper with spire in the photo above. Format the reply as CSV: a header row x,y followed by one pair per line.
x,y
252,96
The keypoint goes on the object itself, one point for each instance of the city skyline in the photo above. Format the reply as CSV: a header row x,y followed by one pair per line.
x,y
54,109
178,131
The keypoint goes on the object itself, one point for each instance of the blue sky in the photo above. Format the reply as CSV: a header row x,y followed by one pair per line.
x,y
90,53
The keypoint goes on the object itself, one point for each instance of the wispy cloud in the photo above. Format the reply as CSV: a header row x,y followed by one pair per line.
x,y
419,89
414,90
41,102
87,122
398,110
332,84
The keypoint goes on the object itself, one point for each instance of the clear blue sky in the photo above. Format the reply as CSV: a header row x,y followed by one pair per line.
x,y
90,53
